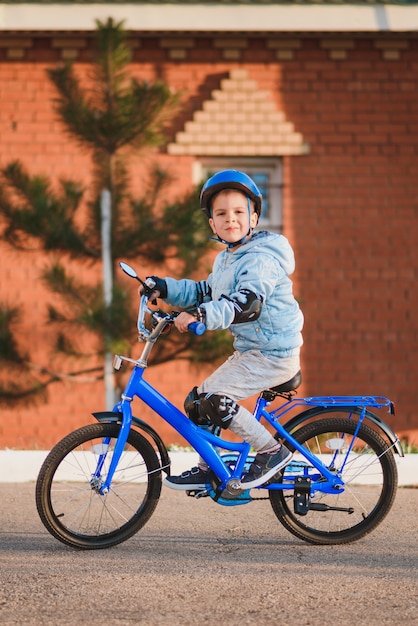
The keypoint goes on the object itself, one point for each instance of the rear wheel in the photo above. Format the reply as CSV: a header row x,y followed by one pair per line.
x,y
367,467
67,490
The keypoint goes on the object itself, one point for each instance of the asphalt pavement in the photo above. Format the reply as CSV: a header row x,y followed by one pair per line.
x,y
199,563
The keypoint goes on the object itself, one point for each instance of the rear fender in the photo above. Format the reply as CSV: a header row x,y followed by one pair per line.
x,y
115,417
378,423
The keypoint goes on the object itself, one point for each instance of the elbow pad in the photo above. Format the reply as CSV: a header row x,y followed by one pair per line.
x,y
247,306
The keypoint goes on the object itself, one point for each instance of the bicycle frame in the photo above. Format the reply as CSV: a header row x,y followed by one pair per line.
x,y
206,443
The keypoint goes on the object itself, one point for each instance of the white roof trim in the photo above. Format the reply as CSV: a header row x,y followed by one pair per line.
x,y
209,18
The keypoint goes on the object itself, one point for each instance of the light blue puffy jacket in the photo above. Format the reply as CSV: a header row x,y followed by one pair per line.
x,y
262,265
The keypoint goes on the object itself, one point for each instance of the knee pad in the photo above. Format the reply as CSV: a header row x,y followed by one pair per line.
x,y
218,409
192,406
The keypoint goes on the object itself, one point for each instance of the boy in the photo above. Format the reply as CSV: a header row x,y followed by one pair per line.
x,y
250,293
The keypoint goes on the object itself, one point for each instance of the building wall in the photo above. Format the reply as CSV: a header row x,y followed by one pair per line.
x,y
350,204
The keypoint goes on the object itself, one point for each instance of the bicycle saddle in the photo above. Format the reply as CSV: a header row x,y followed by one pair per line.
x,y
290,385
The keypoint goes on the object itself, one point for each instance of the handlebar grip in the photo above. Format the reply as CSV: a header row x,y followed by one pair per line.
x,y
197,328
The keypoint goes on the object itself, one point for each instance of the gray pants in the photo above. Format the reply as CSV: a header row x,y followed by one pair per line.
x,y
245,374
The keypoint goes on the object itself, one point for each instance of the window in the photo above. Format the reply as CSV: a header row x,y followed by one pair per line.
x,y
267,175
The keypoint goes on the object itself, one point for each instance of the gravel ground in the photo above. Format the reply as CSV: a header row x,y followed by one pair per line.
x,y
197,562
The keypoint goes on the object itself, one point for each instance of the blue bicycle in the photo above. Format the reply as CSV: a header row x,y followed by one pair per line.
x,y
100,484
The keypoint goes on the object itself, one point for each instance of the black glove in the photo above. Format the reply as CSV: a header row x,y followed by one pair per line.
x,y
160,285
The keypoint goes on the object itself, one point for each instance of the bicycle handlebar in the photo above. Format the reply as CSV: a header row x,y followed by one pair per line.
x,y
197,328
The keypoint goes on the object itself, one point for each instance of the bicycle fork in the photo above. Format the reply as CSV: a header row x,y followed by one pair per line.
x,y
103,487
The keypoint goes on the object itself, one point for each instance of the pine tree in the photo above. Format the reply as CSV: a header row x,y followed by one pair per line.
x,y
117,117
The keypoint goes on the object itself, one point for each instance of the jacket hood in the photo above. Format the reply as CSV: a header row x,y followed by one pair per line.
x,y
269,243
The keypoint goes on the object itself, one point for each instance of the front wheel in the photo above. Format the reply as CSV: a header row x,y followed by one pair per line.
x,y
365,464
68,495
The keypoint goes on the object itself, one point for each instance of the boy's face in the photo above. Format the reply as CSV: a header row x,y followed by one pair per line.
x,y
230,220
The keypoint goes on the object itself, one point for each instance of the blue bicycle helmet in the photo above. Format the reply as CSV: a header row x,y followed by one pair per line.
x,y
229,179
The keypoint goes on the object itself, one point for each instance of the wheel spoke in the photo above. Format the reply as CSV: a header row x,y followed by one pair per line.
x,y
68,488
367,468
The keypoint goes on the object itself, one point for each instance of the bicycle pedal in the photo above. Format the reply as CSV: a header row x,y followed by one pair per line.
x,y
197,493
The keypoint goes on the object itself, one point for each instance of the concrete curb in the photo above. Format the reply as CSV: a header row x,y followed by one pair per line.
x,y
18,466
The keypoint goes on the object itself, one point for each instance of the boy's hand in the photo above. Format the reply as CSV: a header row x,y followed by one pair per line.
x,y
183,320
158,291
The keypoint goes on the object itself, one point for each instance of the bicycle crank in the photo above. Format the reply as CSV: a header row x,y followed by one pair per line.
x,y
233,487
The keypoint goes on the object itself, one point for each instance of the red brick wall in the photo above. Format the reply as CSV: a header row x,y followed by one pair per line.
x,y
350,205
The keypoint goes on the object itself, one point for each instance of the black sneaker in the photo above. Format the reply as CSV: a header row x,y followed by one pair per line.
x,y
192,479
264,466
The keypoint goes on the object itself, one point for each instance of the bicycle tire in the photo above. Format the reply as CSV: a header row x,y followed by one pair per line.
x,y
369,474
73,510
